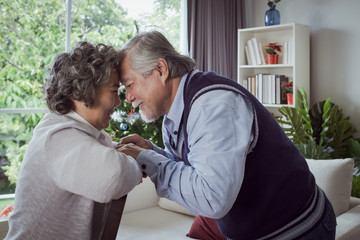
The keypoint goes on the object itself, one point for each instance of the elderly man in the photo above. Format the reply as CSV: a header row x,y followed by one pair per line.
x,y
225,156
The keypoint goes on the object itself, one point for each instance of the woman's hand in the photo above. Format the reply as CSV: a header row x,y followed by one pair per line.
x,y
129,149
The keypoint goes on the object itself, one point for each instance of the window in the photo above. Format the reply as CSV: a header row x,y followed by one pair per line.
x,y
33,32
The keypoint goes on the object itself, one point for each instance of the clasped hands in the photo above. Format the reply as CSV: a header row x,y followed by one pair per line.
x,y
132,145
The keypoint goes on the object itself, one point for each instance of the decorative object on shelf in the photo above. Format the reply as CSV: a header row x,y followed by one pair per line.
x,y
272,50
272,16
289,98
273,58
288,87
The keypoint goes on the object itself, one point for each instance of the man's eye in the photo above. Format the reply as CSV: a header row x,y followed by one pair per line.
x,y
128,86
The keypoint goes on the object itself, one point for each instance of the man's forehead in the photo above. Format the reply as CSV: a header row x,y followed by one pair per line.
x,y
123,80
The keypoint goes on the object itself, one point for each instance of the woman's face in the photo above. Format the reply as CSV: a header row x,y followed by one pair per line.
x,y
106,100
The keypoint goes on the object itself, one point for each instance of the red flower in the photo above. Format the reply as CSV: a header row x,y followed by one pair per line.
x,y
288,84
271,48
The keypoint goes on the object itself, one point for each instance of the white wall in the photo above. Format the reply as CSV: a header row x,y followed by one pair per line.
x,y
335,47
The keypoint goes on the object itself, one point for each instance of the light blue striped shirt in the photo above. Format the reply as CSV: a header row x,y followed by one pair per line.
x,y
219,136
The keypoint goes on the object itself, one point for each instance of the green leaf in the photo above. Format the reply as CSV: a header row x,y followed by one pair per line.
x,y
354,153
319,133
311,150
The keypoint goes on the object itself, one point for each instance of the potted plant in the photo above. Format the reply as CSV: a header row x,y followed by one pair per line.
x,y
272,49
322,132
288,88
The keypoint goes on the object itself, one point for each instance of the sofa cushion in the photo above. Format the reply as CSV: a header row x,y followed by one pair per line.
x,y
146,188
334,176
205,228
154,223
173,206
348,225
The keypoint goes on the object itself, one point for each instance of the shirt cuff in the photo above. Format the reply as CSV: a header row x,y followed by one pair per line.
x,y
149,162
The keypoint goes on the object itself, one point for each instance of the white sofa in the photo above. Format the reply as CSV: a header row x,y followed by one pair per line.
x,y
148,217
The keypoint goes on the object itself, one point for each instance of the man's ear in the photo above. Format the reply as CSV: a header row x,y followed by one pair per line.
x,y
163,69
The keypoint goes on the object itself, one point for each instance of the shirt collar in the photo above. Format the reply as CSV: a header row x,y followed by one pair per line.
x,y
90,129
173,118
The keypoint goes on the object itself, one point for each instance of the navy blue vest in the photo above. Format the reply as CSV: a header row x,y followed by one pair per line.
x,y
277,185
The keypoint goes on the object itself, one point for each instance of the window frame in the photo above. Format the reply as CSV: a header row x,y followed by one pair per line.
x,y
183,49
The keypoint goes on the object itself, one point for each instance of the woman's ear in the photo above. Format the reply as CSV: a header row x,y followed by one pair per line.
x,y
163,69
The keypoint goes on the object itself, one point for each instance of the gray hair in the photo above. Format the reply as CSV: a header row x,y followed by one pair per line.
x,y
146,48
76,75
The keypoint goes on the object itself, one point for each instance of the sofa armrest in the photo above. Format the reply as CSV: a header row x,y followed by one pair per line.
x,y
348,224
354,202
142,196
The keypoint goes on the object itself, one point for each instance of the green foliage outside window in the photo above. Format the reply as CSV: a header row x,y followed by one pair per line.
x,y
32,33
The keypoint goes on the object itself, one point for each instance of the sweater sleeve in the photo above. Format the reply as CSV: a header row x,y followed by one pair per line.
x,y
80,164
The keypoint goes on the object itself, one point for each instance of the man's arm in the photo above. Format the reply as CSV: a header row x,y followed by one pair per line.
x,y
219,139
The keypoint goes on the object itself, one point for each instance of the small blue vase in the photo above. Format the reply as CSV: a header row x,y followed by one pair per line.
x,y
272,16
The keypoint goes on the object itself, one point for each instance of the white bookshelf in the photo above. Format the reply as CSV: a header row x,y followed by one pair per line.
x,y
298,66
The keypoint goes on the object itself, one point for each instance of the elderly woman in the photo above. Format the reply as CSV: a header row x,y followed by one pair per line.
x,y
71,167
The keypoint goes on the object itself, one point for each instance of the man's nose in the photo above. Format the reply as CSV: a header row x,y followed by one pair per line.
x,y
129,97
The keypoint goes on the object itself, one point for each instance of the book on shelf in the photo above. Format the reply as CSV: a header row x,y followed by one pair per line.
x,y
249,84
244,83
259,85
285,50
253,88
272,89
262,49
277,89
266,84
283,79
290,55
262,54
247,55
256,50
251,52
267,87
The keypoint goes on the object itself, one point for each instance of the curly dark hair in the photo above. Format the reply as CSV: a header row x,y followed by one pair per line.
x,y
76,75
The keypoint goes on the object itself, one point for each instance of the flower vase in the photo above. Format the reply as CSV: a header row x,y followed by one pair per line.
x,y
290,99
272,16
273,58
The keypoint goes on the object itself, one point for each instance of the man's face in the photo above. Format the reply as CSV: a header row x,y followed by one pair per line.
x,y
146,93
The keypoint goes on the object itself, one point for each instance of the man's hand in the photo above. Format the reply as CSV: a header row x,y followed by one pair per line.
x,y
137,140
